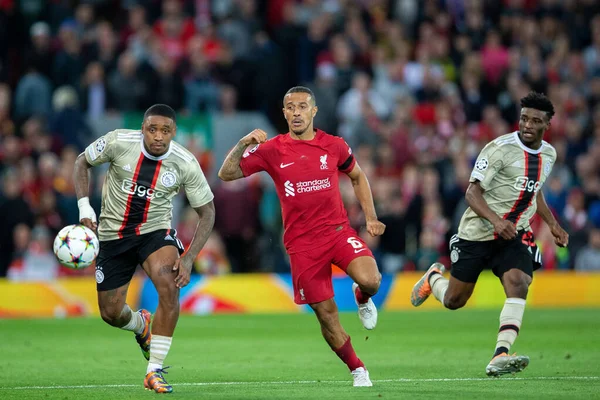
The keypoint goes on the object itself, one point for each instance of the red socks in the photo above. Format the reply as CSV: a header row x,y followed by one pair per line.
x,y
348,356
361,296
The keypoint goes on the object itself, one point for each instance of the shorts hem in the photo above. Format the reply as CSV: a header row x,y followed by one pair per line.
x,y
303,302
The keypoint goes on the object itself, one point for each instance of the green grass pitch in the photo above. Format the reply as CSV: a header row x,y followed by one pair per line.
x,y
411,355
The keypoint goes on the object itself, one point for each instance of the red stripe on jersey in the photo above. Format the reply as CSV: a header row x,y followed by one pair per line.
x,y
128,205
537,179
154,179
520,199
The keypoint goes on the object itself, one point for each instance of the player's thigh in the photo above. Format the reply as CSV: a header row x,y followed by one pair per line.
x,y
468,259
458,293
115,264
363,270
515,263
159,253
520,253
352,255
311,276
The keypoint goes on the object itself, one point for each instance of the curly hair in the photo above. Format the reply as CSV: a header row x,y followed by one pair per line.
x,y
538,101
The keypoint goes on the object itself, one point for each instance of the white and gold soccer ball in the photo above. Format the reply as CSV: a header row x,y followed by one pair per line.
x,y
76,246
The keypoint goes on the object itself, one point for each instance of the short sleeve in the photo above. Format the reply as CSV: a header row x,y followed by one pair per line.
x,y
254,160
197,189
488,163
102,149
346,159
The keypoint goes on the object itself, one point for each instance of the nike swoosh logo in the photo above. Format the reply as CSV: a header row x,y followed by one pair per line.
x,y
358,251
282,165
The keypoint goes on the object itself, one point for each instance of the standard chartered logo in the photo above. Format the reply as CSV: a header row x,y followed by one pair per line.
x,y
306,186
131,187
289,189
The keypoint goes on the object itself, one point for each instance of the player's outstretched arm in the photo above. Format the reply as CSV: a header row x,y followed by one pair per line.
x,y
231,170
362,190
561,237
206,213
81,179
474,196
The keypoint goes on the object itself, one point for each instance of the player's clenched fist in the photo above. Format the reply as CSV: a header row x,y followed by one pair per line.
x,y
257,136
561,238
375,227
505,229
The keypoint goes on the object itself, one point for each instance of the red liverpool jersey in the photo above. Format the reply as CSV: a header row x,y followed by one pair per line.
x,y
306,176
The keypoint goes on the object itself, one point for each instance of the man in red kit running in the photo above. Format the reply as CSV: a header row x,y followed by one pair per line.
x,y
304,165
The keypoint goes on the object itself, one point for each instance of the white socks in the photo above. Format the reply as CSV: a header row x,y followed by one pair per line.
x,y
511,318
159,348
136,323
439,285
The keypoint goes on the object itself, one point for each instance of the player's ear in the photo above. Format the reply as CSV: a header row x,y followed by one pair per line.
x,y
315,109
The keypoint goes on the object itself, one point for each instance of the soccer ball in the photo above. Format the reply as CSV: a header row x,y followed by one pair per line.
x,y
76,246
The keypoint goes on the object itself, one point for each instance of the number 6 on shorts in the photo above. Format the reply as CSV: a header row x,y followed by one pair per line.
x,y
354,242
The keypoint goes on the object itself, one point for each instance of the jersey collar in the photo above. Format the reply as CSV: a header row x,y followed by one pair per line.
x,y
318,134
527,149
150,156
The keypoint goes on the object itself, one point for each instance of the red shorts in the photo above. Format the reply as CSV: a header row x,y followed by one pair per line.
x,y
311,270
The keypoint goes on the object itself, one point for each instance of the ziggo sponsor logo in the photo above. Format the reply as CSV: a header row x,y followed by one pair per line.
x,y
131,187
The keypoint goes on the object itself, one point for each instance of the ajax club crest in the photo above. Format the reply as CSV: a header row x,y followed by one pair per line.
x,y
168,179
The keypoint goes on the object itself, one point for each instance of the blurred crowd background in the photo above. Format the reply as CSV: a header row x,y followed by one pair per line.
x,y
417,88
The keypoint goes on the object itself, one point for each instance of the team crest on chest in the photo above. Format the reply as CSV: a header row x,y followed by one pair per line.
x,y
323,160
168,179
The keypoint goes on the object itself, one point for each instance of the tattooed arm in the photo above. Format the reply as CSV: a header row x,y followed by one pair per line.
x,y
230,170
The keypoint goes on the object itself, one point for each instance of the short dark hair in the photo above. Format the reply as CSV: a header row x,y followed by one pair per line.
x,y
162,110
302,89
538,101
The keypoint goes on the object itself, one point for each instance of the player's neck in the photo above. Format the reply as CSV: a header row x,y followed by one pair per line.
x,y
533,146
309,134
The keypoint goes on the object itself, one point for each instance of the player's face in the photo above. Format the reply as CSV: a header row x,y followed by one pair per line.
x,y
158,132
532,125
299,110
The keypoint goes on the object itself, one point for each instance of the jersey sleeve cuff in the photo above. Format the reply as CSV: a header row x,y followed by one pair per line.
x,y
203,202
90,155
476,176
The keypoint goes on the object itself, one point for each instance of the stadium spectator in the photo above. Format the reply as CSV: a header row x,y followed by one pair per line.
x,y
443,79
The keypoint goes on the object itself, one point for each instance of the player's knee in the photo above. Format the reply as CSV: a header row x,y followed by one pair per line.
x,y
110,315
516,283
371,283
168,296
454,302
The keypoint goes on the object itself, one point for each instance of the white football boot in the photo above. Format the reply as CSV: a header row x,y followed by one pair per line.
x,y
361,377
367,312
504,364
